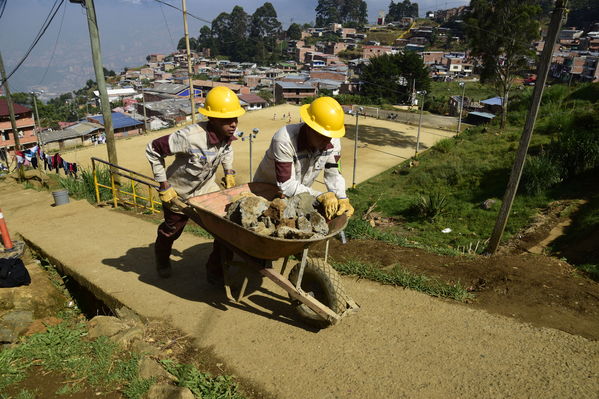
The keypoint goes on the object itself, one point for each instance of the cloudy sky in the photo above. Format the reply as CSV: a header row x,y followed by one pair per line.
x,y
129,30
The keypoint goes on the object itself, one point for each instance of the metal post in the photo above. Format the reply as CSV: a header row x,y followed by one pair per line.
x,y
461,105
94,38
516,173
143,99
423,93
37,120
11,111
353,185
189,67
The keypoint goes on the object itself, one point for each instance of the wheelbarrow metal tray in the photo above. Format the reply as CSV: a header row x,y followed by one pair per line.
x,y
208,211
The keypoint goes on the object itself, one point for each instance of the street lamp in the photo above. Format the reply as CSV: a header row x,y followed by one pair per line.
x,y
422,93
250,138
463,86
360,109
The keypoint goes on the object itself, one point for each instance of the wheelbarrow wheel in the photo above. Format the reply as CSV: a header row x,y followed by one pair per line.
x,y
322,282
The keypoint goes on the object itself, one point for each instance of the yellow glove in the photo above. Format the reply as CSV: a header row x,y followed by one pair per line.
x,y
330,203
345,207
167,195
229,181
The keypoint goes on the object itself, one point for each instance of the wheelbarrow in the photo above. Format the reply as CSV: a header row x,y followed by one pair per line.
x,y
314,287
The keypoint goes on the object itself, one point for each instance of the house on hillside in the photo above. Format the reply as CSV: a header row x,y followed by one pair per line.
x,y
25,128
252,102
293,92
81,133
123,125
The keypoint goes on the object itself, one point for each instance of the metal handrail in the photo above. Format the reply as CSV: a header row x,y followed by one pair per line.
x,y
118,193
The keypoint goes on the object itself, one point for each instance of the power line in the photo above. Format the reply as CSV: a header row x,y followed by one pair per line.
x,y
167,27
40,34
64,10
2,7
188,13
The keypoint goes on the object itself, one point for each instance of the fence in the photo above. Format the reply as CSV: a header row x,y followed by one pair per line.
x,y
136,197
411,118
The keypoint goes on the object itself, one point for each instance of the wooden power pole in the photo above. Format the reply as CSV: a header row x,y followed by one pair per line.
x,y
516,174
94,38
11,112
189,64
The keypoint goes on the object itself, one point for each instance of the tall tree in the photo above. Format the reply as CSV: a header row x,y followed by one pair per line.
x,y
500,33
404,9
389,77
294,32
351,13
263,31
205,39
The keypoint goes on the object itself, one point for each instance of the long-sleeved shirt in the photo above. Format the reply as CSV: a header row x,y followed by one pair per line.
x,y
293,166
198,152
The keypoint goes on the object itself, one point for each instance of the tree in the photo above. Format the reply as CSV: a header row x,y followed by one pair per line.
x,y
294,32
205,40
347,12
500,33
404,9
263,31
390,77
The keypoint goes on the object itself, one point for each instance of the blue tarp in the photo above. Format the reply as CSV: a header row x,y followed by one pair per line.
x,y
493,101
485,115
119,120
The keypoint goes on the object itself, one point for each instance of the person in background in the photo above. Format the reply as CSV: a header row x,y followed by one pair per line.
x,y
298,153
198,149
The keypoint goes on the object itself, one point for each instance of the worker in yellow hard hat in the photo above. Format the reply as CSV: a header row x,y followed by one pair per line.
x,y
198,149
299,152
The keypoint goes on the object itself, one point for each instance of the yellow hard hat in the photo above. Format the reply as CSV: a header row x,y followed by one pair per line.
x,y
326,116
221,102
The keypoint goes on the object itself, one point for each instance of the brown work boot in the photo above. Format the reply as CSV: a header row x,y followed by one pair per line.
x,y
163,265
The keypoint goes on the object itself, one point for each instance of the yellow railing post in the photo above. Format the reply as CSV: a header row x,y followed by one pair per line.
x,y
96,188
114,196
151,196
133,191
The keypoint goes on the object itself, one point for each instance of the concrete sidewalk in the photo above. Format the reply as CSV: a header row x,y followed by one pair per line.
x,y
401,344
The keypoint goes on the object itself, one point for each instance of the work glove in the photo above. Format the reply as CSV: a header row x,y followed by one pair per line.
x,y
167,195
345,207
329,202
229,181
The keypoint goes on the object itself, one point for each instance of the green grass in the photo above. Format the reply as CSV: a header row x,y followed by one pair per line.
x,y
83,187
203,385
400,277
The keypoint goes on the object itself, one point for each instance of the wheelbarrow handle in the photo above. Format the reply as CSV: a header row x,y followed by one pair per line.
x,y
180,204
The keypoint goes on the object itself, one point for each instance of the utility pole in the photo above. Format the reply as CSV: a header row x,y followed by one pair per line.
x,y
37,120
189,66
353,184
542,70
463,86
11,111
143,98
94,38
423,93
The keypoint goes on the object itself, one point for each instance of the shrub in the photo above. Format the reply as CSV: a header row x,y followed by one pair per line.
x,y
444,146
429,206
540,173
83,186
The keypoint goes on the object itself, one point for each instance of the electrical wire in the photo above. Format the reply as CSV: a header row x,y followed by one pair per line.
x,y
64,11
53,11
2,7
187,12
167,27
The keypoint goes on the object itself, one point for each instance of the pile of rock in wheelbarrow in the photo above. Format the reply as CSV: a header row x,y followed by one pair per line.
x,y
293,218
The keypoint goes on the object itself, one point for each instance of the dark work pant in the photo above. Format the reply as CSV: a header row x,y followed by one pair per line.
x,y
171,229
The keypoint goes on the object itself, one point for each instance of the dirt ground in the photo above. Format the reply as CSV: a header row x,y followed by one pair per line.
x,y
519,282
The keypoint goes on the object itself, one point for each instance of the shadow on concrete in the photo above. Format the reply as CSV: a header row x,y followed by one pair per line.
x,y
189,282
380,136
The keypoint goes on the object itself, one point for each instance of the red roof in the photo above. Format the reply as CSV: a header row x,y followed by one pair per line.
x,y
19,109
252,98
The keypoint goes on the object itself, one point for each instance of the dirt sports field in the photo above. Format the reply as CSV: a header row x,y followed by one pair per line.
x,y
530,331
382,144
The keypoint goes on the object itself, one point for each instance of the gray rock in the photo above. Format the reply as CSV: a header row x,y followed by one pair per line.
x,y
303,224
293,233
13,324
488,204
105,326
247,210
166,391
319,223
126,337
299,205
276,210
149,368
128,315
262,228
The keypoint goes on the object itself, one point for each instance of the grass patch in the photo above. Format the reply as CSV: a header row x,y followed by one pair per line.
x,y
203,385
98,363
399,277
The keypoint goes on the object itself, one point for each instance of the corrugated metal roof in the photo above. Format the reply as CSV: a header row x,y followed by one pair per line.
x,y
485,115
493,101
19,109
78,130
168,88
294,85
252,98
119,120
